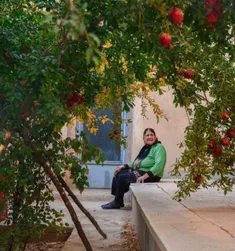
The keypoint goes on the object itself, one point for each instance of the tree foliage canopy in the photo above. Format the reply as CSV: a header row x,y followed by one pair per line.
x,y
59,58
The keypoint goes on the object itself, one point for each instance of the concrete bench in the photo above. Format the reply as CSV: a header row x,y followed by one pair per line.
x,y
205,221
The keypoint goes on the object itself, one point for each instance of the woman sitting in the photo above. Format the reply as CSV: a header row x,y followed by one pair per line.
x,y
148,166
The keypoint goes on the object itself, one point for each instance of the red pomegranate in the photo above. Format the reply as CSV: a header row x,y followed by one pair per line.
x,y
231,133
218,8
181,73
217,151
210,3
165,40
212,17
211,146
225,141
213,4
176,16
111,135
74,99
189,74
70,103
213,142
116,132
79,99
225,115
198,179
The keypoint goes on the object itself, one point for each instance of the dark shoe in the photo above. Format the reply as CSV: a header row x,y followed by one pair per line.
x,y
112,205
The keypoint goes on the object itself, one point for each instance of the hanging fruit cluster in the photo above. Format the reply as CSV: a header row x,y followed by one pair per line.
x,y
214,12
176,16
215,146
74,99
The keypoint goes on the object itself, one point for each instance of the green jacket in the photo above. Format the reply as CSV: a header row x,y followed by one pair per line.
x,y
154,162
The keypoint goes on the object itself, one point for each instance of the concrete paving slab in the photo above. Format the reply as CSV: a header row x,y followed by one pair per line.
x,y
204,222
110,221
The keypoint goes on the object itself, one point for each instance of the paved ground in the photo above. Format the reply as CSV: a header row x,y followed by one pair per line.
x,y
205,221
111,221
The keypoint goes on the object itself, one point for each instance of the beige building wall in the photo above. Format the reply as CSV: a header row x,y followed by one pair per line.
x,y
170,132
69,132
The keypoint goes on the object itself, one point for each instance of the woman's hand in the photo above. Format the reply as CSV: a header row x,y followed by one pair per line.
x,y
142,178
118,169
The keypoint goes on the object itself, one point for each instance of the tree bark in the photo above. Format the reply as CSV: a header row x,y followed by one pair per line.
x,y
79,204
41,160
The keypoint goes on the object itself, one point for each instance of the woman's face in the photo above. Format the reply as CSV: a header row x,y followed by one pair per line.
x,y
149,138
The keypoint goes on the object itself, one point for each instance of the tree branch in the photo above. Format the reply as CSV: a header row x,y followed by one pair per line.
x,y
79,204
42,161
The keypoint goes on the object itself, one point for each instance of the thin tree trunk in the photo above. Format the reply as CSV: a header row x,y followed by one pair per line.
x,y
41,160
79,204
16,211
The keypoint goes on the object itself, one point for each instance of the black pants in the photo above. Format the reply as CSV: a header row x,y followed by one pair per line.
x,y
121,183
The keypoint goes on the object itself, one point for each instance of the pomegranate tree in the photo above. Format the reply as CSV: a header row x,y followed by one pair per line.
x,y
77,50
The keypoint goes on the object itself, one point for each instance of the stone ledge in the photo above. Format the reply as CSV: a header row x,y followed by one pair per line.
x,y
195,224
